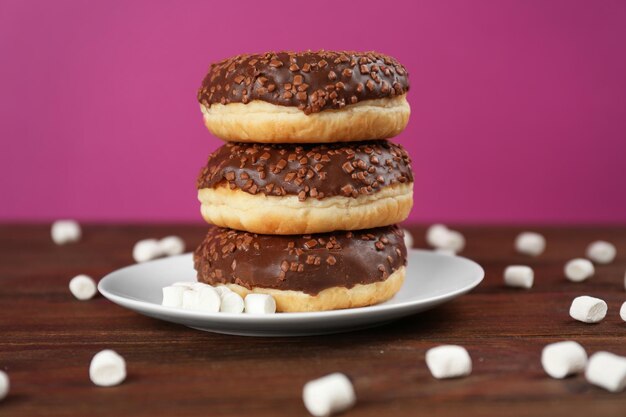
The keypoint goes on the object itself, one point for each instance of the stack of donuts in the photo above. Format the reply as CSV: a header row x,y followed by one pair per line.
x,y
305,194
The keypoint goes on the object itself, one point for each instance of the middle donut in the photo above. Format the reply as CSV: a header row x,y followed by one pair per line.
x,y
295,189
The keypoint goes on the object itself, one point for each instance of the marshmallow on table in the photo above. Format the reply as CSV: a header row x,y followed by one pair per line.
x,y
231,303
530,243
83,287
328,395
563,358
440,237
260,304
436,234
65,231
622,311
107,368
578,269
601,252
588,309
408,239
173,296
5,385
607,370
171,245
519,276
146,250
448,361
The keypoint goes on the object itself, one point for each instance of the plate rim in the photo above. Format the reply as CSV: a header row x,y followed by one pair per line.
x,y
179,313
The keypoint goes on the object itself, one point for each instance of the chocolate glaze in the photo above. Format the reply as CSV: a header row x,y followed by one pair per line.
x,y
308,263
311,81
312,170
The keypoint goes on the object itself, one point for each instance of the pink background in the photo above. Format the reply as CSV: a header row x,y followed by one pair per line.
x,y
518,107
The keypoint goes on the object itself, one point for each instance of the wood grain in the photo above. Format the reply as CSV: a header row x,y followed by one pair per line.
x,y
47,339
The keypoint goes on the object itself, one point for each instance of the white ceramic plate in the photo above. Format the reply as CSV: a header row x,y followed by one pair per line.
x,y
431,279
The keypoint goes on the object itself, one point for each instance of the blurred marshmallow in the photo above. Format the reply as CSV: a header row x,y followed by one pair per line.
x,y
622,311
231,303
107,368
408,239
563,358
579,269
530,243
520,276
171,245
260,304
65,231
448,361
601,252
588,309
436,234
146,250
173,296
83,287
607,370
5,385
328,395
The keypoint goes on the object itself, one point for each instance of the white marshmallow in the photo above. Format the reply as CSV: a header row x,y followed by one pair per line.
x,y
83,287
173,296
260,304
601,252
588,309
563,358
209,300
408,239
107,368
579,269
146,250
607,370
622,311
530,243
328,395
436,234
222,289
5,385
171,245
448,361
65,231
448,252
191,299
232,303
519,276
184,284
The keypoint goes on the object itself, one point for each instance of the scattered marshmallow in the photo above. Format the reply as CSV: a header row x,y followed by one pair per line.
x,y
171,246
579,269
601,252
440,237
530,243
260,304
65,231
520,276
622,311
588,309
408,239
607,370
83,287
107,368
563,359
231,303
435,234
146,250
5,385
173,296
448,361
328,395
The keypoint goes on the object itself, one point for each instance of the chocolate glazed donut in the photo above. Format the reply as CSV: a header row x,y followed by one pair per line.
x,y
296,189
306,272
305,97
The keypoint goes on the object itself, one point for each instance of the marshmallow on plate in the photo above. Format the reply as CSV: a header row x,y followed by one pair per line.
x,y
607,370
231,303
448,361
83,287
201,298
107,368
519,276
530,243
5,385
65,231
563,358
328,395
578,269
588,309
173,296
601,252
260,304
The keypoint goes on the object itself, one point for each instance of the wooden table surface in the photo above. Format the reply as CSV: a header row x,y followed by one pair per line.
x,y
47,339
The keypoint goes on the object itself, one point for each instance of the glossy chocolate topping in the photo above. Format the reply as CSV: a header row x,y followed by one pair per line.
x,y
316,171
311,81
308,263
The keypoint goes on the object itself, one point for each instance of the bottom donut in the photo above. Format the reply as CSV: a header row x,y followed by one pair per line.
x,y
317,272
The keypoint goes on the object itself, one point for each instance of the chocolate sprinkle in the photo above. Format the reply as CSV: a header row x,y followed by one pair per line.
x,y
311,81
295,263
315,171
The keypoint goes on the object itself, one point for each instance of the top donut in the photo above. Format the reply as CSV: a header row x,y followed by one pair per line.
x,y
305,97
